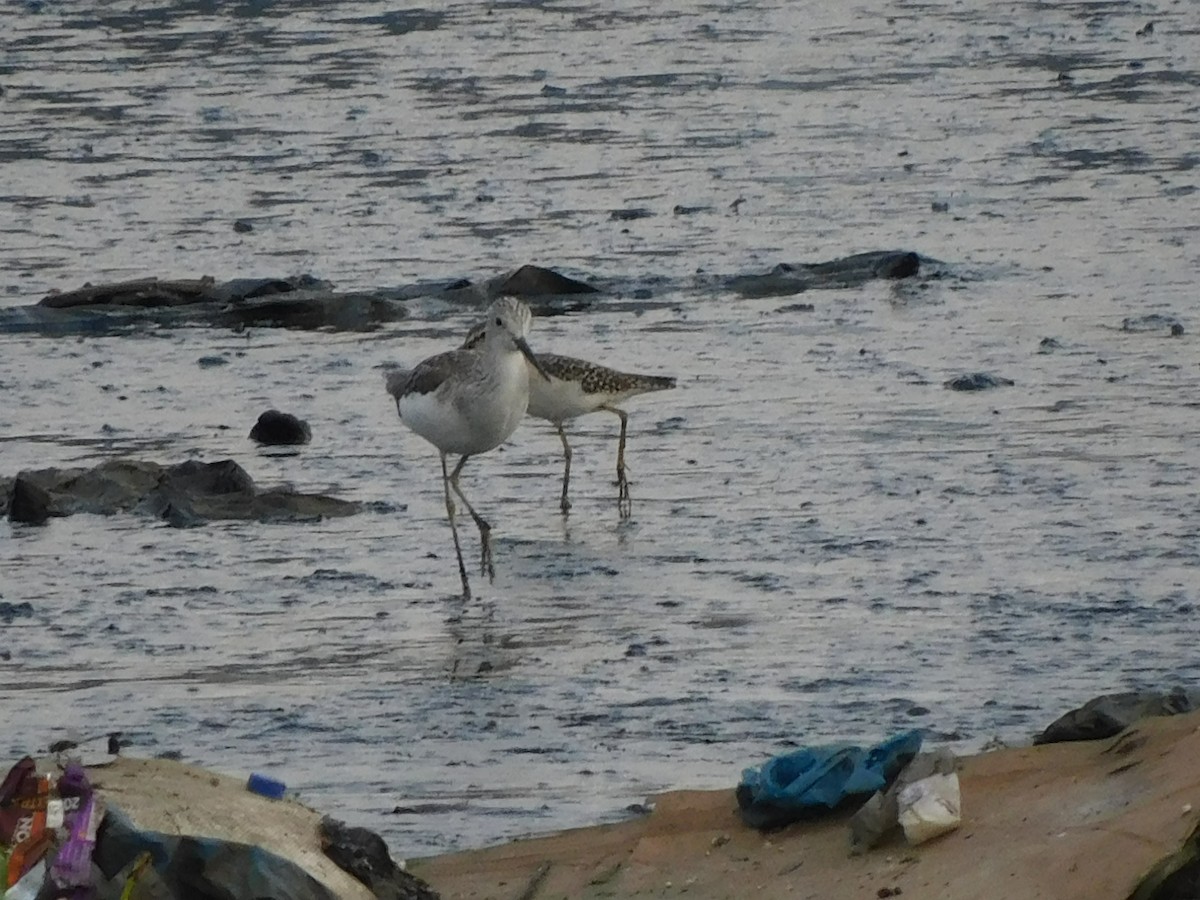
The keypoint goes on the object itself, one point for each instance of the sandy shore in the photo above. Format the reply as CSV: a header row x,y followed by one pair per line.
x,y
1088,820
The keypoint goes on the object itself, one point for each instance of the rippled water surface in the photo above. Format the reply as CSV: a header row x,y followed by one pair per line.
x,y
826,543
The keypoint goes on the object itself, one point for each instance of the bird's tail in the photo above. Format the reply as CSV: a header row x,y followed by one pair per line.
x,y
655,382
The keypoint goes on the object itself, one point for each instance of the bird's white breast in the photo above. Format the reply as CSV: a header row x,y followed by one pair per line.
x,y
474,411
558,399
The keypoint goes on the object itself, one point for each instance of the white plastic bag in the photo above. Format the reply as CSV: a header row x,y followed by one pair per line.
x,y
930,807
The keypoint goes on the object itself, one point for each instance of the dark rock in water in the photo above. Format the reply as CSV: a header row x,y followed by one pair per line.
x,y
1152,322
141,292
312,309
299,302
977,381
849,271
195,477
186,494
29,503
364,854
212,362
861,267
243,226
175,511
1110,714
903,266
628,215
1049,345
10,611
534,281
237,290
279,428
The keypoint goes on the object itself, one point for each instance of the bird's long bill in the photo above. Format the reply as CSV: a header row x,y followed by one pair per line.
x,y
523,346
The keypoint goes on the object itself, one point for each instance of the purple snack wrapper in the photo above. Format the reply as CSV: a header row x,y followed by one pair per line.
x,y
72,865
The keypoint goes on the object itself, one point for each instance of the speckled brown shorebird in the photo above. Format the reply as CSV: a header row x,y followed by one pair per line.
x,y
577,387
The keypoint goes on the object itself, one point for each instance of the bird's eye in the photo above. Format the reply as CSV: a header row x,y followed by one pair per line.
x,y
499,321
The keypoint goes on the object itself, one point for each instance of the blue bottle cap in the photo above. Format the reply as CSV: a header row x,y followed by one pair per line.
x,y
266,786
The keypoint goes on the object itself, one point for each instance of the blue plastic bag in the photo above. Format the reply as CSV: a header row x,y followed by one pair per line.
x,y
811,780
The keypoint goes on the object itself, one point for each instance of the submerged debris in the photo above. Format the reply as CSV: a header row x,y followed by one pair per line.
x,y
977,381
1153,322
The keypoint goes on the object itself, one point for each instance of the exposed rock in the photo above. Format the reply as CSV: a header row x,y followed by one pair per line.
x,y
279,428
977,381
28,503
304,302
188,493
628,215
300,302
849,271
364,854
313,309
544,290
1110,714
141,292
10,611
1049,345
534,281
1153,322
195,477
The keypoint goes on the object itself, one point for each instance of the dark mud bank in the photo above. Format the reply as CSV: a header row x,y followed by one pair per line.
x,y
305,302
186,494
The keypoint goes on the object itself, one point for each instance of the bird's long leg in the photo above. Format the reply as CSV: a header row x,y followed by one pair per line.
x,y
565,505
485,530
624,504
462,569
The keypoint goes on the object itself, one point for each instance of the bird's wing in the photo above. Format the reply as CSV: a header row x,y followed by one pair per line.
x,y
432,373
474,337
597,379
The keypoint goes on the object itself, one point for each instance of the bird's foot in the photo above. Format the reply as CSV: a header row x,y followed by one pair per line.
x,y
624,503
486,567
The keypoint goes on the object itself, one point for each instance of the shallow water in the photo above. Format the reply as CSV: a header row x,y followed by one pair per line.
x,y
826,544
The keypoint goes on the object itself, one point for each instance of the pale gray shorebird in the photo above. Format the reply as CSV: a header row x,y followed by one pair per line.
x,y
575,387
469,401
